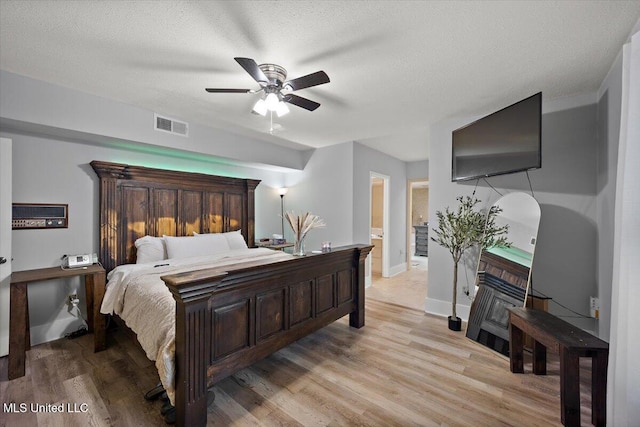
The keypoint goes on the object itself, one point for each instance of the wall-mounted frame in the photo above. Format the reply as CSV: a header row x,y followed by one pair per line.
x,y
27,216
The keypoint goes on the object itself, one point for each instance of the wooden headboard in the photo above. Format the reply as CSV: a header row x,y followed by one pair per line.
x,y
136,201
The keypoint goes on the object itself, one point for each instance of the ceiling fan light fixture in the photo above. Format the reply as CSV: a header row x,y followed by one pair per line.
x,y
272,101
276,88
282,109
260,107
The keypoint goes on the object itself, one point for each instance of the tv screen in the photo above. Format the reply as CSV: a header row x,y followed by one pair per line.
x,y
506,141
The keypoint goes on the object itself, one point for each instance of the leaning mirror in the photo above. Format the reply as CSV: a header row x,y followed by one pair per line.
x,y
504,273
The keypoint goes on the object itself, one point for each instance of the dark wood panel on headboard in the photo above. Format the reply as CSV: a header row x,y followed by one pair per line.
x,y
136,201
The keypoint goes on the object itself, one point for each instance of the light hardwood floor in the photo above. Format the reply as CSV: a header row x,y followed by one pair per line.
x,y
404,368
408,289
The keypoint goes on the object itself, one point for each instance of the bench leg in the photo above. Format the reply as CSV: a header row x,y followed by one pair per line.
x,y
599,388
516,342
569,387
539,358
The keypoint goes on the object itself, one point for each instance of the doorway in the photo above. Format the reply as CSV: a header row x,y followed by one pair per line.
x,y
417,223
407,288
379,225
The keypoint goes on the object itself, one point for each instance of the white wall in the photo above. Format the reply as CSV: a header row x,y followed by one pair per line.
x,y
324,188
609,102
367,160
565,187
418,170
443,193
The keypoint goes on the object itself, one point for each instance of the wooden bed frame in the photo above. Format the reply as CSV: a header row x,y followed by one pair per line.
x,y
226,319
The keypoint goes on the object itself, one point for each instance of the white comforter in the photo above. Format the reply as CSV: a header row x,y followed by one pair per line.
x,y
136,293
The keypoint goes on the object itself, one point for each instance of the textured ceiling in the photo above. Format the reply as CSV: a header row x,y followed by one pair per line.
x,y
395,67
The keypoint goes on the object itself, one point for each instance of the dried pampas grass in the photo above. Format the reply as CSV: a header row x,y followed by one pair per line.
x,y
301,224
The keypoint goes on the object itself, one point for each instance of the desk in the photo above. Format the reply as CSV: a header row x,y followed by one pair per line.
x,y
19,333
571,343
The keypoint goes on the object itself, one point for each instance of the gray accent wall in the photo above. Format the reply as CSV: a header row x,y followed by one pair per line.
x,y
565,261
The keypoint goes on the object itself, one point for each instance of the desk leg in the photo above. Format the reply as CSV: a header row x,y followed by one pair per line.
x,y
516,343
88,291
599,388
19,339
94,289
569,387
539,358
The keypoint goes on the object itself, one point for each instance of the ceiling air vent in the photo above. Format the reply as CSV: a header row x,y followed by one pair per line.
x,y
176,127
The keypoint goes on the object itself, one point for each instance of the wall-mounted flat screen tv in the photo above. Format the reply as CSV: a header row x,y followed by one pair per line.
x,y
507,141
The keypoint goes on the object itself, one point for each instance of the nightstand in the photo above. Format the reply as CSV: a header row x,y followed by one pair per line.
x,y
278,247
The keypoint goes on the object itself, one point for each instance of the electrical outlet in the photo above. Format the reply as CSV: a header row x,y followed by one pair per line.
x,y
594,307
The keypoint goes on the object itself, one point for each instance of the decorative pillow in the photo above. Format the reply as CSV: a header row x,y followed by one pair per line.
x,y
205,244
234,239
150,249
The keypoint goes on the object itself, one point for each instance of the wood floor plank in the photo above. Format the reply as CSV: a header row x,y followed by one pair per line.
x,y
403,368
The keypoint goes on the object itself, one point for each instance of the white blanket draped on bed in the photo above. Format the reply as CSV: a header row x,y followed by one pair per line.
x,y
136,293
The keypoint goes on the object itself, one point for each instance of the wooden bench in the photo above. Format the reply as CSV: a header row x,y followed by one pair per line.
x,y
571,343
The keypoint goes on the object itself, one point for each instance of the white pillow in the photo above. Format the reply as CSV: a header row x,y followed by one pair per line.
x,y
234,239
150,249
184,247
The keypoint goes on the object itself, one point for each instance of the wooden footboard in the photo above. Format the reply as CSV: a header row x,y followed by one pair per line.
x,y
228,320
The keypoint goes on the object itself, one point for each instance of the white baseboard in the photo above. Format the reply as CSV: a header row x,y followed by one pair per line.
x,y
397,269
443,308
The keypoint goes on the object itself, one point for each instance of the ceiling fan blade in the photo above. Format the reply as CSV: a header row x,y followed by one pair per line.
x,y
251,67
315,79
305,103
212,90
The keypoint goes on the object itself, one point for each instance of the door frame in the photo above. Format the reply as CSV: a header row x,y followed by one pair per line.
x,y
410,183
386,234
5,241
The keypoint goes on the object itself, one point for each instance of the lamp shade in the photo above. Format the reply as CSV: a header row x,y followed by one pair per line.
x,y
282,191
260,107
282,109
272,101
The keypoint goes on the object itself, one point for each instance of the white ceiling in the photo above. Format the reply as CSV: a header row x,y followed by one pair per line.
x,y
395,66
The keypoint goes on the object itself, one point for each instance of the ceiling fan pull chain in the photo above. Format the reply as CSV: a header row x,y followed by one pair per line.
x,y
271,128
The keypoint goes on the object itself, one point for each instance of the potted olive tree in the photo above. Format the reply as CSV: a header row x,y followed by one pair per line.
x,y
463,229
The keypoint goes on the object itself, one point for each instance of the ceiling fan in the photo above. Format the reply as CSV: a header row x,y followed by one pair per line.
x,y
272,81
